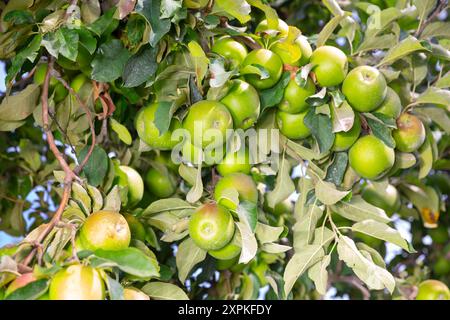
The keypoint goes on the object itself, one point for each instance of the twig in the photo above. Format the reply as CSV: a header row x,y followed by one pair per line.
x,y
353,281
70,175
88,114
442,4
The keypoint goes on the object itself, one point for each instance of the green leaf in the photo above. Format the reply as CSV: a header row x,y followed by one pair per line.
x,y
121,130
113,201
336,171
18,107
301,151
87,40
425,157
31,291
385,41
404,160
28,53
437,115
380,20
150,9
284,186
272,96
321,128
64,41
434,96
373,275
199,60
382,231
266,233
443,82
299,263
402,49
357,210
170,204
163,115
343,117
96,166
100,25
195,193
327,193
132,261
115,289
140,67
18,17
303,230
249,243
328,29
318,273
164,291
436,29
238,9
374,254
424,8
270,13
380,130
248,212
109,61
187,257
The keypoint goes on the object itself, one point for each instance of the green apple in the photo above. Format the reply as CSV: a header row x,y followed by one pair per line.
x,y
242,100
410,133
294,96
267,59
292,125
330,65
370,157
365,88
211,226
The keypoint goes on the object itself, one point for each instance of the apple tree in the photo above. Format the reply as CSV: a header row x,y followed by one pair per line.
x,y
225,149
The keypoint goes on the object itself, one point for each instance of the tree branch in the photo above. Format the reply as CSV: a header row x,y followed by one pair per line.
x,y
442,4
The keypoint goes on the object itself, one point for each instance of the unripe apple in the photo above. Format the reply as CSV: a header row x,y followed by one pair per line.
x,y
294,96
282,27
344,140
292,125
242,100
242,183
365,88
128,177
137,229
78,82
106,230
211,226
410,133
232,50
77,282
204,116
209,156
148,131
134,294
270,61
235,162
392,105
161,183
387,199
330,65
370,157
433,290
231,250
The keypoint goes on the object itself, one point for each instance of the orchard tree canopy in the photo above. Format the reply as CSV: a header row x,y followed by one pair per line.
x,y
225,149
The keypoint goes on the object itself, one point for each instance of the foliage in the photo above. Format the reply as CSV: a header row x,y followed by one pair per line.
x,y
65,136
